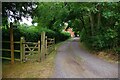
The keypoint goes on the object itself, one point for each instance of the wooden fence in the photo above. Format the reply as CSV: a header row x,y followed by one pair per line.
x,y
40,48
9,50
50,45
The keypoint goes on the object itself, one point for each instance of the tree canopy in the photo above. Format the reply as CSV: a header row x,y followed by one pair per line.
x,y
97,23
17,10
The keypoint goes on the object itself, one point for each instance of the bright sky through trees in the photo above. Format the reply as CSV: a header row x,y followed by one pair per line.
x,y
24,21
27,21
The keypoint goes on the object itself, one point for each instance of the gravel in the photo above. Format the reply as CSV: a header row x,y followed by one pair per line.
x,y
74,62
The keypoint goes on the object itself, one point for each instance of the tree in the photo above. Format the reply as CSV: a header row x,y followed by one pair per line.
x,y
17,10
51,15
99,23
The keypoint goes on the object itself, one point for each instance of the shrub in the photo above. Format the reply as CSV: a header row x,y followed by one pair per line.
x,y
33,34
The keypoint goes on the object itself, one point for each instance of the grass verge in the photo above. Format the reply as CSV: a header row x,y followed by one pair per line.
x,y
107,55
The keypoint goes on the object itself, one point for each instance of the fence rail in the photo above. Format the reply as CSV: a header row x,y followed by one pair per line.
x,y
16,42
29,43
9,50
10,58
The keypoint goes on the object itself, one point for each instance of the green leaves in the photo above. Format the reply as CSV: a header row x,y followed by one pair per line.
x,y
108,14
97,23
51,15
17,10
110,34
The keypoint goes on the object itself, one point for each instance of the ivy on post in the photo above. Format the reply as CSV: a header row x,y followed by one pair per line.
x,y
12,43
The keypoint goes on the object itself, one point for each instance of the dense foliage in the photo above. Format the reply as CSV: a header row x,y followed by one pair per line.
x,y
97,23
33,34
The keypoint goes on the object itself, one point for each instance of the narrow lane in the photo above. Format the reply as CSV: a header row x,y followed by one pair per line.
x,y
74,62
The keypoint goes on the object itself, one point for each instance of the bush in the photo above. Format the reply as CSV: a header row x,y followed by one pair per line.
x,y
62,36
98,42
102,40
33,34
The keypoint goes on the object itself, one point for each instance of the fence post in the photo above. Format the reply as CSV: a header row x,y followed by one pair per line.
x,y
42,45
12,43
54,44
45,45
39,51
22,49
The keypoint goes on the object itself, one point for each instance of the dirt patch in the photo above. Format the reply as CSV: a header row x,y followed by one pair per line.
x,y
29,69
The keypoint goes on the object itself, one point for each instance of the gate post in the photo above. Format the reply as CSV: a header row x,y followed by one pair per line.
x,y
45,45
42,45
22,49
54,44
39,51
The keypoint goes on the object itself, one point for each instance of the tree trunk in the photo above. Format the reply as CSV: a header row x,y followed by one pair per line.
x,y
92,24
12,43
82,20
98,20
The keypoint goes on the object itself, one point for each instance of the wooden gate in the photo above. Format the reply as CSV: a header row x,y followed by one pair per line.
x,y
30,50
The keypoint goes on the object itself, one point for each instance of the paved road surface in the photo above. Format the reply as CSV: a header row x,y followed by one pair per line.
x,y
74,62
